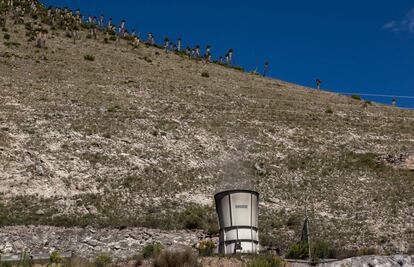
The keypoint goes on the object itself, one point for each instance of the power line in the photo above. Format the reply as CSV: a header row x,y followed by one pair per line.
x,y
396,96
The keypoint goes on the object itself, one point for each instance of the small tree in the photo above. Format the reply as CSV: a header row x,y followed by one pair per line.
x,y
151,250
266,67
230,54
179,44
206,248
103,260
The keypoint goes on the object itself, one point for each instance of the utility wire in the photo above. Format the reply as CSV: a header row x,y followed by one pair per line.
x,y
396,96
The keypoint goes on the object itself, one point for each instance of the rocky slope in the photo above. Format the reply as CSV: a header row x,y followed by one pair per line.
x,y
139,138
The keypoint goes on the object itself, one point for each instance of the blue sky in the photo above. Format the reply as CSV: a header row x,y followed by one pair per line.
x,y
352,46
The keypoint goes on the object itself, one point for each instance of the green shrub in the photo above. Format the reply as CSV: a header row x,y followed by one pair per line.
x,y
11,44
138,259
89,57
193,221
298,251
320,249
112,38
205,74
54,257
88,36
367,251
6,36
238,68
367,102
169,258
206,248
28,26
151,250
147,59
113,108
293,221
102,260
6,264
106,40
356,97
354,160
329,111
266,261
25,260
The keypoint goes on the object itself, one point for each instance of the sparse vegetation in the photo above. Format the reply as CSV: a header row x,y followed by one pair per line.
x,y
356,97
298,251
266,261
176,258
147,59
12,44
89,57
55,258
103,260
6,36
151,250
206,248
205,74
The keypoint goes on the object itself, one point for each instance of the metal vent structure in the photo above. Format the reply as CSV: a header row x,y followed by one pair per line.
x,y
238,220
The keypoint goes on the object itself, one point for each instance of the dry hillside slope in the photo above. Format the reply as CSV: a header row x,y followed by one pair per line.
x,y
138,137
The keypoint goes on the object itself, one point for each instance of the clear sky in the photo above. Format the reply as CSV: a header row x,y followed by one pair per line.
x,y
362,46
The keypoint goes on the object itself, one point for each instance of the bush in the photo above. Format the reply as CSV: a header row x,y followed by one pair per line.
x,y
6,264
238,68
293,221
106,40
12,44
151,250
25,260
112,38
88,36
356,97
103,260
266,261
169,258
320,249
329,111
298,251
54,257
6,36
205,74
28,26
138,260
89,57
147,59
206,248
192,221
367,251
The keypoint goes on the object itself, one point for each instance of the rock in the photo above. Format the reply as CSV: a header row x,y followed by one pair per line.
x,y
372,261
403,260
39,170
92,209
40,212
261,170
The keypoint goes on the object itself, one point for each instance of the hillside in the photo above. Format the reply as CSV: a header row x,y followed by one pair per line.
x,y
139,138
